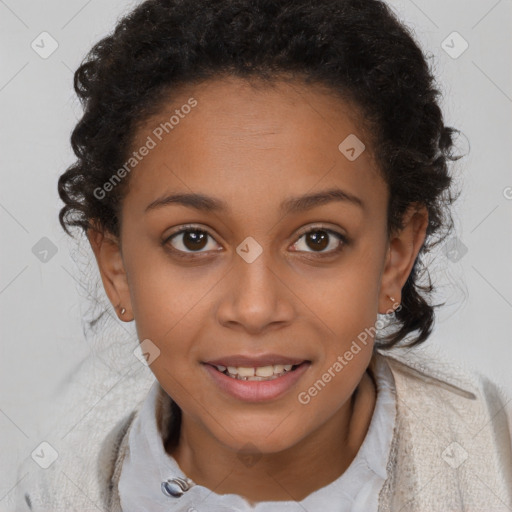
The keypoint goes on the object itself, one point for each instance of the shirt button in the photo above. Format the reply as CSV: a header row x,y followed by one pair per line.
x,y
175,487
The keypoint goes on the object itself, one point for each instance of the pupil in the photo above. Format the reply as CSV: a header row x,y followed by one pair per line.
x,y
194,240
319,242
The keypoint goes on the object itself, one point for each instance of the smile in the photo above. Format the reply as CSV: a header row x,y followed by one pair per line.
x,y
249,385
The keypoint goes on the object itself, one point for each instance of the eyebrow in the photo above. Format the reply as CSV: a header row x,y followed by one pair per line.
x,y
291,205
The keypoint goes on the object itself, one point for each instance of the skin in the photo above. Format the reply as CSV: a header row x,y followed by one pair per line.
x,y
253,148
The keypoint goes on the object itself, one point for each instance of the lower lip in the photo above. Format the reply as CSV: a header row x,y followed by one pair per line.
x,y
254,390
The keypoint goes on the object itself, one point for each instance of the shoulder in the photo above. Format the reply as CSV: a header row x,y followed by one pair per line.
x,y
91,419
429,384
108,459
453,434
429,372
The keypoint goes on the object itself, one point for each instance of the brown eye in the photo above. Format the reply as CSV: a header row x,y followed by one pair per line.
x,y
189,240
318,239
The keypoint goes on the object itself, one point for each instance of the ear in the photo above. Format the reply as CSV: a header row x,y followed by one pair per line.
x,y
403,249
108,255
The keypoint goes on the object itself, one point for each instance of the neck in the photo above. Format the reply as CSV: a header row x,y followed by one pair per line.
x,y
292,474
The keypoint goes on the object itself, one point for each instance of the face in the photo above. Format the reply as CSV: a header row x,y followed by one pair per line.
x,y
253,269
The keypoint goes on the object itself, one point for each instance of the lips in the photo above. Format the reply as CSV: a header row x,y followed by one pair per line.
x,y
255,361
256,390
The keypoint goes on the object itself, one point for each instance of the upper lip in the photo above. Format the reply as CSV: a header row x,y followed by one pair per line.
x,y
254,361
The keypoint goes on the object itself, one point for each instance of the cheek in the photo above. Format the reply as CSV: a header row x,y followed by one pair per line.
x,y
345,302
346,307
165,297
169,312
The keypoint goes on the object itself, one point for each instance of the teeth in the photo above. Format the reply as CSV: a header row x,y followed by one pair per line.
x,y
262,371
248,372
269,372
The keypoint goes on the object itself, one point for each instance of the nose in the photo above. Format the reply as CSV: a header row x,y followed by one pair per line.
x,y
256,296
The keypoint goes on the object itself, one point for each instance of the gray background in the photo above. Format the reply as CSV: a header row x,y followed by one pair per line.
x,y
42,304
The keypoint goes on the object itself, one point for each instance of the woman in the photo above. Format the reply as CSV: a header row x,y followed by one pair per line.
x,y
258,182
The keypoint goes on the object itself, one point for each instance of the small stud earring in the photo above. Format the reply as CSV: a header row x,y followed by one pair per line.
x,y
123,311
394,302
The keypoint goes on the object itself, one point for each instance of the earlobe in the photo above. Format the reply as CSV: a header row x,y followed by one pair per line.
x,y
108,256
403,249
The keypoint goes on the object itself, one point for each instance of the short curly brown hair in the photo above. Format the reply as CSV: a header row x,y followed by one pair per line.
x,y
357,48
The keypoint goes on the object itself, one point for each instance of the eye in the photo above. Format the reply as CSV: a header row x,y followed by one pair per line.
x,y
189,240
319,238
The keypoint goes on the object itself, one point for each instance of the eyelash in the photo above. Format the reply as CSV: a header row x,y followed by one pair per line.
x,y
193,255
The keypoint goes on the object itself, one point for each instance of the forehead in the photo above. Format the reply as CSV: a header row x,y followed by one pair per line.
x,y
243,140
